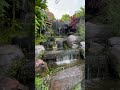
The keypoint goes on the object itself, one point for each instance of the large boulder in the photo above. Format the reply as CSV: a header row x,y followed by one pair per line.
x,y
97,30
39,49
92,29
67,79
11,84
115,54
26,43
73,41
114,41
40,67
95,48
8,53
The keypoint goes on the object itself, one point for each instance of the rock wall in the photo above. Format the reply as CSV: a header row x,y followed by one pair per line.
x,y
114,42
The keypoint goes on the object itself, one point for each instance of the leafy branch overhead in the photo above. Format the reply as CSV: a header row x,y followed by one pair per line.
x,y
40,19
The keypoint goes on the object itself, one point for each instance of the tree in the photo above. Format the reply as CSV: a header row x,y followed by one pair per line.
x,y
97,9
3,4
66,18
11,23
80,13
113,13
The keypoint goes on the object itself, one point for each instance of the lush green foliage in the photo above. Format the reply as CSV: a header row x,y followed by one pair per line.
x,y
82,33
107,12
40,84
80,13
113,14
78,23
81,25
11,24
66,18
78,87
40,20
15,71
3,4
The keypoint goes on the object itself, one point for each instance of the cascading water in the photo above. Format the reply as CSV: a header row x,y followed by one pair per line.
x,y
62,56
65,58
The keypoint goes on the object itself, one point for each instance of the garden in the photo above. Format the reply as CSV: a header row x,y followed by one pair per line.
x,y
59,49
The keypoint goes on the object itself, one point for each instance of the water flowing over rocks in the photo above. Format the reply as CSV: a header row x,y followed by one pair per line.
x,y
62,56
82,51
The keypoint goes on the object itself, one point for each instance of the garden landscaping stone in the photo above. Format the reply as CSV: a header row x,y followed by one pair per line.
x,y
40,66
7,83
38,50
8,53
67,79
115,54
73,41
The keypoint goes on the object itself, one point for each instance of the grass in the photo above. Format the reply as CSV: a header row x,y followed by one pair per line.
x,y
41,84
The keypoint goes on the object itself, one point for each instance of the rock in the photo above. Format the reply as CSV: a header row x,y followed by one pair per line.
x,y
40,66
74,46
114,41
39,49
67,79
82,46
115,54
102,31
26,43
95,48
11,84
73,41
8,53
92,29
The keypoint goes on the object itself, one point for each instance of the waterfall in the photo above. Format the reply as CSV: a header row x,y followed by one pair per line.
x,y
66,57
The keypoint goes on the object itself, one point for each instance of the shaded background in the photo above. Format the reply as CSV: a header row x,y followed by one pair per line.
x,y
102,44
17,42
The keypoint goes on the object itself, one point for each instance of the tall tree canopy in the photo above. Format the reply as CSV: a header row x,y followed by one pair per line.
x,y
80,13
66,17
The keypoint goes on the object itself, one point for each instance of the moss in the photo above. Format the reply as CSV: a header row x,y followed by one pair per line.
x,y
40,56
78,87
66,45
15,71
